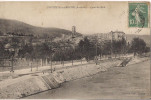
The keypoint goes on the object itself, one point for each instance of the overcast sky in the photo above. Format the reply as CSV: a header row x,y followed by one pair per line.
x,y
109,16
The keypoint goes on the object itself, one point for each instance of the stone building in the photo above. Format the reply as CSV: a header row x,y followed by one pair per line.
x,y
113,35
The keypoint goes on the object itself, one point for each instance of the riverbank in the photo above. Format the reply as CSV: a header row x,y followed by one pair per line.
x,y
29,84
130,82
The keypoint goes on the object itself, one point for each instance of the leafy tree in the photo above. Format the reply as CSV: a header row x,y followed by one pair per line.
x,y
2,49
4,53
26,51
87,48
15,45
147,49
81,48
42,51
119,46
138,46
1,33
106,48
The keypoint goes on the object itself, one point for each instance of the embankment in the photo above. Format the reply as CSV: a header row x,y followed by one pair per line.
x,y
29,84
39,82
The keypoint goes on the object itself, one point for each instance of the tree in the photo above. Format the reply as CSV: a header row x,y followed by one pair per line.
x,y
15,45
2,49
26,50
119,46
147,49
138,46
106,48
87,48
81,48
42,51
1,33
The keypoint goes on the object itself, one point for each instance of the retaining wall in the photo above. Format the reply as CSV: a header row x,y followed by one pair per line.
x,y
27,85
87,70
31,84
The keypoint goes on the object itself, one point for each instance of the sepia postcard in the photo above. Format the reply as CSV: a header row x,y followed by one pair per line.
x,y
75,50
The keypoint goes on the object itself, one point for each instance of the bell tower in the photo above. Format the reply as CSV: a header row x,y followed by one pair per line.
x,y
73,31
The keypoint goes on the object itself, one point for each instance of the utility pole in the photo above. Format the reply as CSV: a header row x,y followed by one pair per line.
x,y
111,44
72,56
12,57
82,49
12,60
63,48
51,62
51,55
73,33
37,65
31,66
96,48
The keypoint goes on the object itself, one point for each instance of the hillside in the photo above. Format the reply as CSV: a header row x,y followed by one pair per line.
x,y
14,26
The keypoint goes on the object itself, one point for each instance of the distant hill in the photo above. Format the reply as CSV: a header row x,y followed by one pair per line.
x,y
14,26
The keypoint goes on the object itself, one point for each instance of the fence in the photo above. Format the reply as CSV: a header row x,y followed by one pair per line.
x,y
10,65
5,64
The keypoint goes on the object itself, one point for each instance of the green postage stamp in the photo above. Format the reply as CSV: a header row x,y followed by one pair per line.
x,y
138,15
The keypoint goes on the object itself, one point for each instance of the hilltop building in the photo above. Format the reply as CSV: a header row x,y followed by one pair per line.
x,y
116,35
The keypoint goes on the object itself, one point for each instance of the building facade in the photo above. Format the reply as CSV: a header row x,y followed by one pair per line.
x,y
113,35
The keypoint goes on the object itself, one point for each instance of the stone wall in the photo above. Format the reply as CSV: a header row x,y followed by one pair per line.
x,y
31,84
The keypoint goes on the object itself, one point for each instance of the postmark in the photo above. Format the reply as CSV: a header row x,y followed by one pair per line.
x,y
138,15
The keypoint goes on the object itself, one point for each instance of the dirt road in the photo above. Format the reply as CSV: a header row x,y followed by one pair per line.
x,y
132,81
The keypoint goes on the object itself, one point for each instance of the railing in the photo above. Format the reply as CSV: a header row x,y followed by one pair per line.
x,y
5,64
15,64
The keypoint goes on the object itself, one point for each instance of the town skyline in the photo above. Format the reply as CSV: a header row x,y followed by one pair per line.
x,y
87,20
